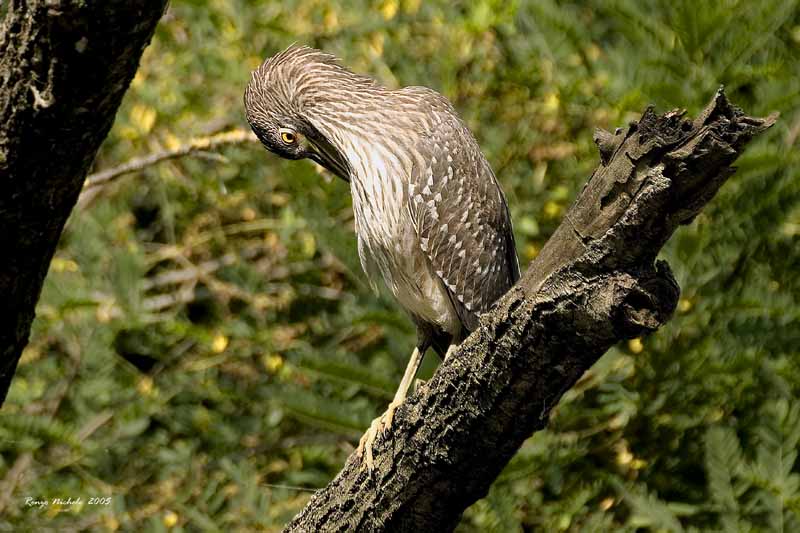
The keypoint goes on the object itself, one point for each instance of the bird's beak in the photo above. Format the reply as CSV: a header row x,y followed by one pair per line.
x,y
324,153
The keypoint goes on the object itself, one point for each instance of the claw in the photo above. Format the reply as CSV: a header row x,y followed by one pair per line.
x,y
380,425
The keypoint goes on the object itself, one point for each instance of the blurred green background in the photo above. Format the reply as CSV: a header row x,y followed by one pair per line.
x,y
206,350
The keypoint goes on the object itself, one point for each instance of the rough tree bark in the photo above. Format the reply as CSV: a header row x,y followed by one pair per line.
x,y
64,67
596,282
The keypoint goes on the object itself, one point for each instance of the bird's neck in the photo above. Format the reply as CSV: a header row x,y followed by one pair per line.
x,y
376,141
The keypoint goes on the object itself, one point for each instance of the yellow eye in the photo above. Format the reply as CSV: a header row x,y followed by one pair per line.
x,y
288,136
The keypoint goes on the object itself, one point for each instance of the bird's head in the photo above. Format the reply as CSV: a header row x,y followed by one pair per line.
x,y
283,103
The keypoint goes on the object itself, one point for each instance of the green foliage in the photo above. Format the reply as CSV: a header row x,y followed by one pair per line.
x,y
206,349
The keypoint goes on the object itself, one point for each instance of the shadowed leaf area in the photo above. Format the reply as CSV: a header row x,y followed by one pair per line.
x,y
206,346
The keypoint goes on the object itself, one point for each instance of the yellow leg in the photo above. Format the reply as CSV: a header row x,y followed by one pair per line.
x,y
384,422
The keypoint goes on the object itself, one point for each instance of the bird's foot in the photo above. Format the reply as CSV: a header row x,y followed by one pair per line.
x,y
378,426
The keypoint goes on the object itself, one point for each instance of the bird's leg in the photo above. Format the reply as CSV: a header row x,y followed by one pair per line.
x,y
384,422
420,382
405,384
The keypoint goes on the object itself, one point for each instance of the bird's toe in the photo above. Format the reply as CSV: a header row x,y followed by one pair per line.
x,y
378,426
364,450
388,416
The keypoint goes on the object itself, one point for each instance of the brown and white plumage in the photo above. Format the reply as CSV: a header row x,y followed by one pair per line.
x,y
431,220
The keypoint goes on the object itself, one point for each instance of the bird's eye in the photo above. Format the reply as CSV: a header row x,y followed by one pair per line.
x,y
288,136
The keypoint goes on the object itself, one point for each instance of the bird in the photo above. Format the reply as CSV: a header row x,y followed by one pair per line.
x,y
431,220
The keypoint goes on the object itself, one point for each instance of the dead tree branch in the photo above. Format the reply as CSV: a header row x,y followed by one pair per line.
x,y
596,282
95,182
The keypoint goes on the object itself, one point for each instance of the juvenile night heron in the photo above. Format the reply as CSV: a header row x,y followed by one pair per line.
x,y
431,219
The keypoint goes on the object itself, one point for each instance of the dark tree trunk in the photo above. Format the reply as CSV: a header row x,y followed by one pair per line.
x,y
64,67
596,282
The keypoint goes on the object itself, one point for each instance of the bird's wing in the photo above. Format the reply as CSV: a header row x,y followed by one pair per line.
x,y
461,218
